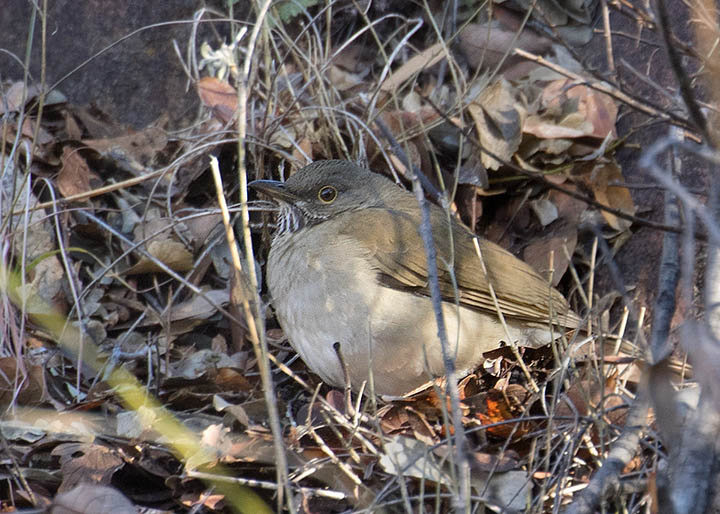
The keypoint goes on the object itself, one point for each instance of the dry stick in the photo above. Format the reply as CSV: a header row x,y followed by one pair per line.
x,y
259,342
693,470
462,502
622,451
625,447
608,37
310,491
344,467
86,195
257,339
346,378
684,81
693,445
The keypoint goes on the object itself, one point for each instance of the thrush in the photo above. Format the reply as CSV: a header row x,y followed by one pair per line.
x,y
347,265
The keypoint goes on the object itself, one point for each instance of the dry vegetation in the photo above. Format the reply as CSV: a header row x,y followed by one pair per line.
x,y
138,352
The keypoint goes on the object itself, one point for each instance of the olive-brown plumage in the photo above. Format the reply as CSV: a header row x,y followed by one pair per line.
x,y
347,264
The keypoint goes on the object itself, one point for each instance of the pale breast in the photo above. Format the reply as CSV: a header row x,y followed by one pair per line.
x,y
325,290
318,287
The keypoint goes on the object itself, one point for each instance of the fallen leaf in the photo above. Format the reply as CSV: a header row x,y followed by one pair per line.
x,y
499,118
81,462
537,252
485,45
597,109
545,210
599,181
618,197
500,406
549,129
425,59
21,383
75,176
589,396
219,96
133,152
342,79
171,253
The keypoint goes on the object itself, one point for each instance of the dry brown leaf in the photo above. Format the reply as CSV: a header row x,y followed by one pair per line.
x,y
72,128
499,117
545,210
219,96
25,387
29,127
497,408
617,197
342,79
199,306
303,152
13,96
549,129
537,253
481,461
213,502
133,152
485,45
48,274
400,123
230,379
572,20
425,59
201,362
587,395
171,253
75,176
81,462
598,109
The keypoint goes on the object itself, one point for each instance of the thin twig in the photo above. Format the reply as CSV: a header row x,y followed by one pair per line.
x,y
463,464
622,451
258,340
674,58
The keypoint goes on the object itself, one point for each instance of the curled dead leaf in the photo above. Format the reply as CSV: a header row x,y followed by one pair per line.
x,y
219,96
600,181
499,117
425,59
168,251
487,45
26,387
133,152
75,176
563,97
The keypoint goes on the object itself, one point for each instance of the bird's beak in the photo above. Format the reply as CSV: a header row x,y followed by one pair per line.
x,y
274,189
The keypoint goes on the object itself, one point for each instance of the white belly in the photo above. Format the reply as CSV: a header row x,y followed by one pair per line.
x,y
329,293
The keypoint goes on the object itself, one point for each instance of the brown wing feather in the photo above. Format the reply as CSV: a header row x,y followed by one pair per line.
x,y
395,246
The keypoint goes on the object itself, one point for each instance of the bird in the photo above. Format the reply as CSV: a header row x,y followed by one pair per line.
x,y
347,266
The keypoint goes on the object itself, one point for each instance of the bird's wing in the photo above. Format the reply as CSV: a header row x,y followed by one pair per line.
x,y
395,248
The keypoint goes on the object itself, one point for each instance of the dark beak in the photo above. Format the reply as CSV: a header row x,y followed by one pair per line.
x,y
274,189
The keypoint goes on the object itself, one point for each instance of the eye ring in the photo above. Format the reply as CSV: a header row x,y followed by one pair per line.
x,y
327,194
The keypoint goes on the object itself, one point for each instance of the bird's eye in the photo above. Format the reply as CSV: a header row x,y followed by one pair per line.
x,y
327,194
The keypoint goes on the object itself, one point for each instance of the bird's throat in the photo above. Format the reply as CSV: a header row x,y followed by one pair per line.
x,y
290,219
